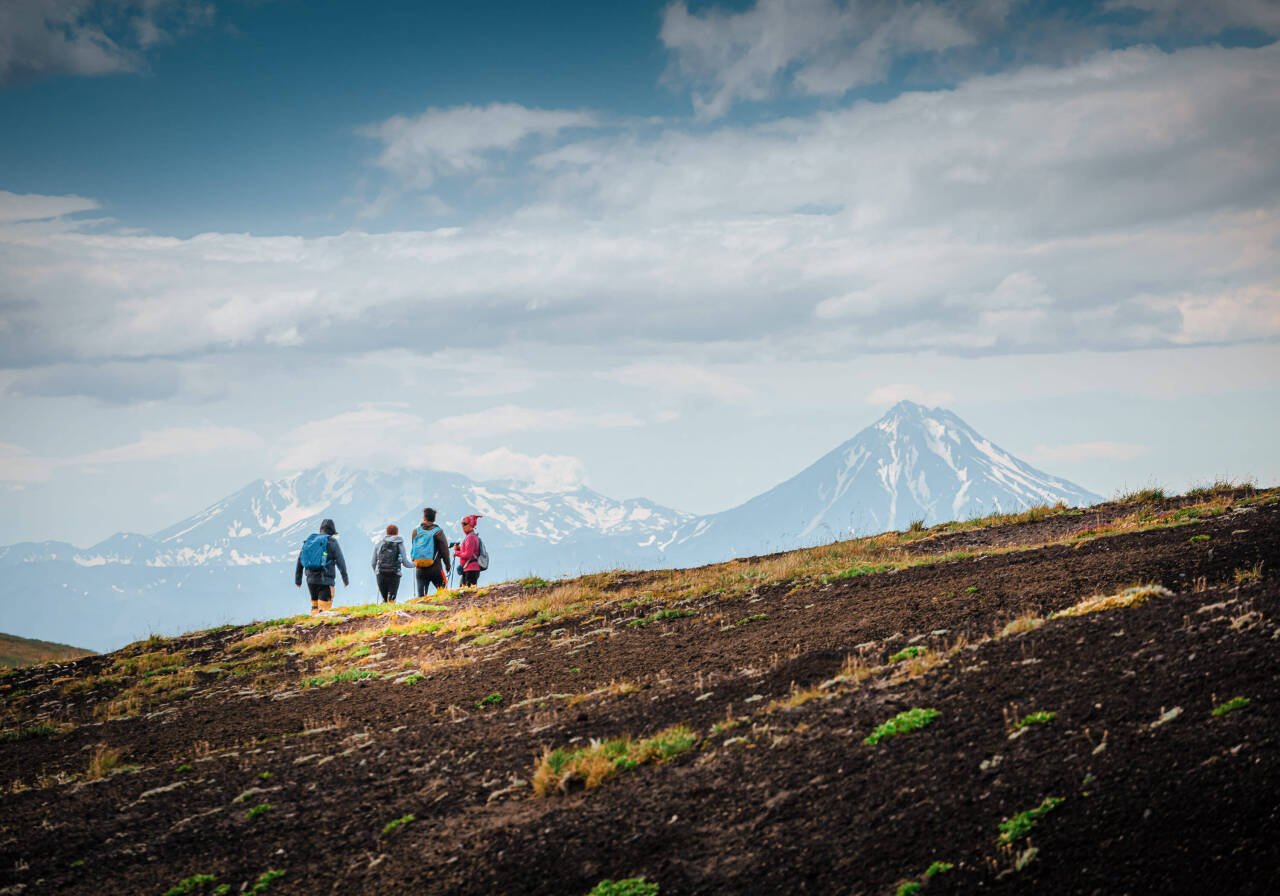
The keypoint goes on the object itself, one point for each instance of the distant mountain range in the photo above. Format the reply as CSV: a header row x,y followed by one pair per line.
x,y
234,560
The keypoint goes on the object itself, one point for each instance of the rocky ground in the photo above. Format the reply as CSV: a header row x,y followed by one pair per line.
x,y
1127,746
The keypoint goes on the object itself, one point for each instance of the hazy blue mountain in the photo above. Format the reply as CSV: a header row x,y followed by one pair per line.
x,y
234,560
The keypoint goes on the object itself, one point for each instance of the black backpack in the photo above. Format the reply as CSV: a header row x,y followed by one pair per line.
x,y
389,556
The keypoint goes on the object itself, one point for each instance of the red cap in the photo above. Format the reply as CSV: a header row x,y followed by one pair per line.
x,y
470,520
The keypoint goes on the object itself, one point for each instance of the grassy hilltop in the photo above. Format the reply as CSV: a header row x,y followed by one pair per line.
x,y
1063,700
15,651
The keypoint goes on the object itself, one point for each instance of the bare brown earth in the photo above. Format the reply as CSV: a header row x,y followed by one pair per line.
x,y
781,799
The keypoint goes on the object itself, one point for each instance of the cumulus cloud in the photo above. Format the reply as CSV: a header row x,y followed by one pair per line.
x,y
438,143
89,37
1201,18
818,47
1130,201
376,438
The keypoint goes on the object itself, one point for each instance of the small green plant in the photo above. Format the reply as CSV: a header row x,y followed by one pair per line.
x,y
491,700
260,809
265,880
1248,576
413,678
40,729
754,617
858,569
190,885
222,890
916,526
396,824
972,589
1035,718
1230,706
902,723
362,651
264,776
324,681
937,868
534,582
908,653
1196,539
630,886
1018,826
1151,495
185,767
660,615
908,887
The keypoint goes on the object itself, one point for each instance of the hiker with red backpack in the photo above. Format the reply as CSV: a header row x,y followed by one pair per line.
x,y
388,557
320,554
473,558
430,553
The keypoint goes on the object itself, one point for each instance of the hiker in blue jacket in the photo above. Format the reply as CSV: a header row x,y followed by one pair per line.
x,y
320,554
430,553
388,557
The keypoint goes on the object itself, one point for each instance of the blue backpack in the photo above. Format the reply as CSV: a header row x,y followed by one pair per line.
x,y
315,551
424,547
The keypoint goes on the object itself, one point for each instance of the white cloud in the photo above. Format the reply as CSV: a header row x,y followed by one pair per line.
x,y
89,37
1088,451
373,438
509,419
1204,18
896,392
34,207
19,465
681,378
1156,186
462,140
818,46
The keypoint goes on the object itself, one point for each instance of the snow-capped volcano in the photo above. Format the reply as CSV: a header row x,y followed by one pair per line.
x,y
914,463
234,560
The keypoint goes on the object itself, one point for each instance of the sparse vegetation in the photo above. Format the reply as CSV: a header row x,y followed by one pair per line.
x,y
902,723
191,885
1149,495
908,653
1230,706
908,887
1248,576
324,681
265,880
104,761
629,886
1197,539
558,770
938,868
494,699
1130,597
397,823
1018,826
1035,718
858,569
260,809
659,616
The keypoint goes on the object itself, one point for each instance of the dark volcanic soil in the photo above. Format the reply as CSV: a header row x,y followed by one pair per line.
x,y
1158,794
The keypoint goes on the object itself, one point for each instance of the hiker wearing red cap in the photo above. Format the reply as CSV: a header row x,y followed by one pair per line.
x,y
471,553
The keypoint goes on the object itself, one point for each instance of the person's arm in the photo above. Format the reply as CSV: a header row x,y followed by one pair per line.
x,y
340,560
297,571
404,557
442,550
374,561
468,550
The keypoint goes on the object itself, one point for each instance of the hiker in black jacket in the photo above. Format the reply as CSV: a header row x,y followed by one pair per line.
x,y
321,580
388,557
433,573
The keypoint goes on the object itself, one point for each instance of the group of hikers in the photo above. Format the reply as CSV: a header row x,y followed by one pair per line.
x,y
321,560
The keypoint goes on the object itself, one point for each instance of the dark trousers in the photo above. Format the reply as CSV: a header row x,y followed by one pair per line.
x,y
471,577
427,576
388,586
320,592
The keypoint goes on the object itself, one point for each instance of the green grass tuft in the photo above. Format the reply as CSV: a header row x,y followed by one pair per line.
x,y
190,885
260,809
324,681
908,653
1231,706
858,569
265,880
396,824
630,886
1035,718
903,723
491,700
1018,826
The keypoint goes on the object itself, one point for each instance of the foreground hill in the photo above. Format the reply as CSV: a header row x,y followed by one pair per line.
x,y
1067,701
15,651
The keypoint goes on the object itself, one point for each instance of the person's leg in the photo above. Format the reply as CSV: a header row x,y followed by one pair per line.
x,y
470,577
421,580
392,589
317,591
382,586
437,577
326,598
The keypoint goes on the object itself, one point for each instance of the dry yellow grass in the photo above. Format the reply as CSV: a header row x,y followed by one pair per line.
x,y
1021,625
103,762
1130,597
268,638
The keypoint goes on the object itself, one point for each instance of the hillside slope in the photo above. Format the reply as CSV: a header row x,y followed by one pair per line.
x,y
15,651
444,748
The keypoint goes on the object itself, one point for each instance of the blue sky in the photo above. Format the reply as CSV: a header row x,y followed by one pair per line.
x,y
626,244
